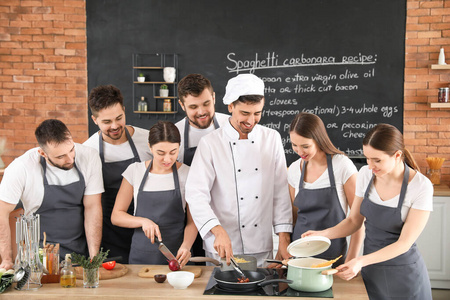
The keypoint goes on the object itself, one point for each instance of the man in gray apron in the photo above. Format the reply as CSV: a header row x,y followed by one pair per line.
x,y
117,149
61,181
319,209
403,277
197,99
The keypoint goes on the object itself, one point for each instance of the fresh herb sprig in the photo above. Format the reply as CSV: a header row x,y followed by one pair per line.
x,y
88,263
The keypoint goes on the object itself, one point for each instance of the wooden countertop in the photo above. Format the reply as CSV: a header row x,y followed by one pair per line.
x,y
131,286
441,190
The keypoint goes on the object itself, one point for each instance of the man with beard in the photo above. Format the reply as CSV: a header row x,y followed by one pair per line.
x,y
197,99
118,146
62,182
237,186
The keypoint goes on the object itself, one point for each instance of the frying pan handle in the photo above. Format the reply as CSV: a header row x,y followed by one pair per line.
x,y
205,259
329,272
270,281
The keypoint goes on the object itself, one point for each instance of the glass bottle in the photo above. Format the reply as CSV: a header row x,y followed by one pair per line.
x,y
167,106
142,105
68,277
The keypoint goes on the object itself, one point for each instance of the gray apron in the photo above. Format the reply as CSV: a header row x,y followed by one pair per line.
x,y
62,214
189,152
197,247
319,209
165,208
116,239
404,276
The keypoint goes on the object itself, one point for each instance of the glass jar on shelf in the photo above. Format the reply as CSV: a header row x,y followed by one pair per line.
x,y
142,105
167,106
435,176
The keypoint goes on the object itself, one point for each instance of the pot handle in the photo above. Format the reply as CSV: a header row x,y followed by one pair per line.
x,y
329,272
205,259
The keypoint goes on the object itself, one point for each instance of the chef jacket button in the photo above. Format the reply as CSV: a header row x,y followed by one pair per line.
x,y
242,198
253,142
234,143
256,197
256,225
256,169
239,170
243,226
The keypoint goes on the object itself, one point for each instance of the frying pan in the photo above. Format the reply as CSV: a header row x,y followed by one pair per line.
x,y
228,280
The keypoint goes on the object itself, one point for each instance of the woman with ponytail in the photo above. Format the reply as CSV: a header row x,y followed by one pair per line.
x,y
395,200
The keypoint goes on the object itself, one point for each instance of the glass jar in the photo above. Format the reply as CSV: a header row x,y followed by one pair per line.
x,y
435,176
68,278
167,106
142,105
91,277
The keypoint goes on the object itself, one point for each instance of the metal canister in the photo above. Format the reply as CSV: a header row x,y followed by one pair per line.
x,y
443,95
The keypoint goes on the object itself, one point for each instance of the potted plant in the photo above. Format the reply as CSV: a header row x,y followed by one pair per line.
x,y
164,90
141,77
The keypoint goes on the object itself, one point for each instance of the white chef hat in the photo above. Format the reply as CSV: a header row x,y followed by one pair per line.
x,y
241,85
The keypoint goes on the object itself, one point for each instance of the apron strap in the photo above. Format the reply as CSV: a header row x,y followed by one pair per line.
x,y
130,141
330,171
404,186
174,172
366,194
186,134
216,123
302,176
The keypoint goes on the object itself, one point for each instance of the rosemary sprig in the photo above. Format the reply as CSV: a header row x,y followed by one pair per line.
x,y
88,263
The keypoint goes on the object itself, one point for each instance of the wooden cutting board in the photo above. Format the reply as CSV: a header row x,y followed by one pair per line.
x,y
152,270
118,271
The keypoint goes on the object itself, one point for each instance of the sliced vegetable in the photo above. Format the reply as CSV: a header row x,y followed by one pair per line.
x,y
174,265
109,265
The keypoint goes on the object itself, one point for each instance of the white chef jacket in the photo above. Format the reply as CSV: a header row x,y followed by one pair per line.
x,y
241,185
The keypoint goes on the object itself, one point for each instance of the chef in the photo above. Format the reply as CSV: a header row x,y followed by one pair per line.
x,y
197,99
61,181
237,186
118,145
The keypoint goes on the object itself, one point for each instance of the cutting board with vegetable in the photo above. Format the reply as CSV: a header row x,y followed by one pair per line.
x,y
152,270
118,271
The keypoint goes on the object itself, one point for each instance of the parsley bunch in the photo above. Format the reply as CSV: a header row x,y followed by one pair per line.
x,y
88,263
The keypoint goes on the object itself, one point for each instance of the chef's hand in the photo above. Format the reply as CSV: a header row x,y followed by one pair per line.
x,y
183,256
7,264
350,269
151,229
222,243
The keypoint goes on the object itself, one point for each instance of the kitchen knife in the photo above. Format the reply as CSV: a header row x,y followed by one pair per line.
x,y
165,251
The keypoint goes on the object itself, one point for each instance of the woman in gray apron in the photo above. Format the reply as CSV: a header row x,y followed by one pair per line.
x,y
158,213
320,208
116,239
389,271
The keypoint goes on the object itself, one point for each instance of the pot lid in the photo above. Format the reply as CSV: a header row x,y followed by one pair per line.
x,y
309,246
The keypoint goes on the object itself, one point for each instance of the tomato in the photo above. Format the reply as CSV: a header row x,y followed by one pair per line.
x,y
109,265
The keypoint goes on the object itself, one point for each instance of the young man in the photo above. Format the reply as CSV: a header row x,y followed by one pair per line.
x,y
61,181
118,145
237,185
197,99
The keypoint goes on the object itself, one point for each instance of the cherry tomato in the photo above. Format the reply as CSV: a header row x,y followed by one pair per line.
x,y
109,265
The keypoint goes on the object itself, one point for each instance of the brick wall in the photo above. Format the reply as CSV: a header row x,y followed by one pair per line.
x,y
426,130
43,73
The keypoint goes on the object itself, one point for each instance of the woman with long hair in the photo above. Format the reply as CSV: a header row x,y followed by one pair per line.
x,y
321,184
158,187
395,200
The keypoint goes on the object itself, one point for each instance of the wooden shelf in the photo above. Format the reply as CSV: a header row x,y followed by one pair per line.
x,y
440,67
439,105
155,112
149,68
168,97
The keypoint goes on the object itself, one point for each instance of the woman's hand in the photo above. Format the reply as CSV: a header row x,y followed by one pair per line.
x,y
183,256
350,269
313,233
151,229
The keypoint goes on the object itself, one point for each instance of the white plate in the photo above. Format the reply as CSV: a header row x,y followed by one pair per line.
x,y
309,246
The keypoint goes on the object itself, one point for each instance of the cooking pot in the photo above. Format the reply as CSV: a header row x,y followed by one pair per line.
x,y
228,281
249,265
304,277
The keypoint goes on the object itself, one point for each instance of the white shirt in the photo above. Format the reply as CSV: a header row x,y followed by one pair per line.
x,y
195,134
241,185
155,182
419,193
123,151
343,169
23,178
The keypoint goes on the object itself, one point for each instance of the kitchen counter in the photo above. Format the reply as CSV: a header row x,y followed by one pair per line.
x,y
131,286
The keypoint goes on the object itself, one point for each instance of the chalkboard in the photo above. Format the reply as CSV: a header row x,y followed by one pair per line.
x,y
342,60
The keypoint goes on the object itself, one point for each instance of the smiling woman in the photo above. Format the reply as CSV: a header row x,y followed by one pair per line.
x,y
157,186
